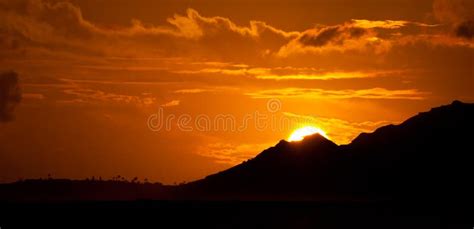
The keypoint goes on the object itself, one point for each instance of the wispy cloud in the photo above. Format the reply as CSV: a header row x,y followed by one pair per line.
x,y
290,73
36,96
192,91
230,153
205,90
61,26
310,93
227,71
171,103
459,14
92,96
193,25
386,24
340,38
325,75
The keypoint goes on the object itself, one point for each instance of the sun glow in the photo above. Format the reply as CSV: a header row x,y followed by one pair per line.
x,y
300,133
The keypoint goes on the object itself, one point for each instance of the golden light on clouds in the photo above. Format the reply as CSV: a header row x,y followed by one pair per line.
x,y
310,93
387,24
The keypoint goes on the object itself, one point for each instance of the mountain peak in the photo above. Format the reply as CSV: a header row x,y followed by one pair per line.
x,y
311,141
456,102
282,143
315,138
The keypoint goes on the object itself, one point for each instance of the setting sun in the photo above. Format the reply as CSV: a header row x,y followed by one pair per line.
x,y
300,133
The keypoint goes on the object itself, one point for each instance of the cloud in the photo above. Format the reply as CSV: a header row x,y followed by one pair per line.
x,y
369,36
230,153
287,73
60,25
193,91
227,71
465,29
36,96
333,34
171,103
193,25
323,75
453,11
387,24
311,93
92,96
355,35
459,14
206,90
44,23
10,95
58,29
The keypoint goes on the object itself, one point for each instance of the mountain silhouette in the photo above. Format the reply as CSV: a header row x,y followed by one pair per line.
x,y
429,156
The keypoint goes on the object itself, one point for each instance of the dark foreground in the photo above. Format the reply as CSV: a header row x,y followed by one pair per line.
x,y
422,169
229,214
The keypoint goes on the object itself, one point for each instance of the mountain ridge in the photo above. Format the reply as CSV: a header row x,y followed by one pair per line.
x,y
382,164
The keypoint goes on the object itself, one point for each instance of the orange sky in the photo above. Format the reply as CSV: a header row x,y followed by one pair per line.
x,y
95,76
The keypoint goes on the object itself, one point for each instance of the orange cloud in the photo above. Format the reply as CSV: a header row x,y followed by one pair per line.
x,y
335,38
323,76
91,96
387,24
58,29
193,25
311,93
362,35
209,89
192,91
459,14
288,73
230,153
238,71
171,103
33,96
61,24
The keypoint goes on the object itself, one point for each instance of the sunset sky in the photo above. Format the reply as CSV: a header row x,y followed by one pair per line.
x,y
96,78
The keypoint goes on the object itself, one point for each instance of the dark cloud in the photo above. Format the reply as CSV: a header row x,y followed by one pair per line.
x,y
44,27
357,32
459,14
465,29
10,95
320,38
333,34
